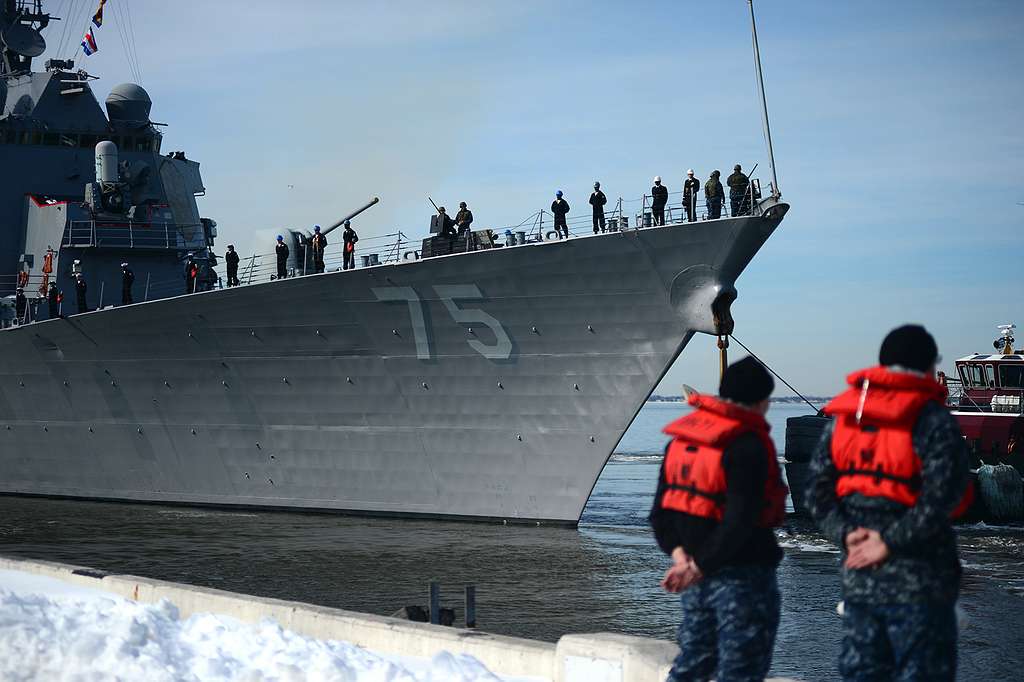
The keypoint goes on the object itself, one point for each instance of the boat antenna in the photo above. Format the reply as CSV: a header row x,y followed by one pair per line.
x,y
764,102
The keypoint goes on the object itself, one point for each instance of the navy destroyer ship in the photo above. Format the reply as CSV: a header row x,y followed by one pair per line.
x,y
486,380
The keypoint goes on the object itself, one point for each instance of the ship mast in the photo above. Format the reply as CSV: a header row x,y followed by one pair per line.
x,y
764,103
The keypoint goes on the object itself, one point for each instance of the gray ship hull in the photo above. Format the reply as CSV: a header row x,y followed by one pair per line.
x,y
487,385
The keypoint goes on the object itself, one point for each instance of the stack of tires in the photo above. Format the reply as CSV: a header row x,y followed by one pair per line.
x,y
802,436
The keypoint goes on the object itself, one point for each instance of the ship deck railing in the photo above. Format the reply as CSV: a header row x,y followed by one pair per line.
x,y
622,214
133,235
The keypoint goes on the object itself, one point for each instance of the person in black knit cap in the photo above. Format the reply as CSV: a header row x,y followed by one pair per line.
x,y
889,472
720,494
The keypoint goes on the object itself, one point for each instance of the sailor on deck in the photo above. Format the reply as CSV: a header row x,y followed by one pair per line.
x,y
690,190
53,300
463,219
659,197
739,190
231,258
349,239
318,244
20,306
80,289
714,194
191,274
127,280
597,202
560,208
281,251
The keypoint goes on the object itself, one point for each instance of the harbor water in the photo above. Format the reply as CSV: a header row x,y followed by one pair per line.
x,y
539,582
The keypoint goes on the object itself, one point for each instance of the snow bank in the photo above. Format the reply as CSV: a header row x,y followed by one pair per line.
x,y
56,631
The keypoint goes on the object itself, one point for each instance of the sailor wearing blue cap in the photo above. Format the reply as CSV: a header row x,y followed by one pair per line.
x,y
281,250
560,207
318,244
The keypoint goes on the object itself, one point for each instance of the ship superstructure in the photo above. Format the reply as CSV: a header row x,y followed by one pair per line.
x,y
489,384
57,198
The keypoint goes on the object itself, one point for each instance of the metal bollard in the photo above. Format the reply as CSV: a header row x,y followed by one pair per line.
x,y
435,603
470,606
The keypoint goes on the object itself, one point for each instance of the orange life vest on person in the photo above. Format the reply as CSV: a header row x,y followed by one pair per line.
x,y
694,476
872,444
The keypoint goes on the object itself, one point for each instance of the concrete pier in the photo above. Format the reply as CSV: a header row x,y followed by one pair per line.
x,y
598,657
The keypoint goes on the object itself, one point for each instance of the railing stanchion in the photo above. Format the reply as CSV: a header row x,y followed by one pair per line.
x,y
149,275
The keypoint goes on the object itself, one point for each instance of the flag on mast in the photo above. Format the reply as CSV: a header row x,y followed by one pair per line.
x,y
98,17
89,43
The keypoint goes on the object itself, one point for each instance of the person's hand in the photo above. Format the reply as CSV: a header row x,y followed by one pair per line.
x,y
855,537
681,576
683,572
868,553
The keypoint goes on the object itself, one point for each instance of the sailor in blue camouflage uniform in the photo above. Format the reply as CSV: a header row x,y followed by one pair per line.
x,y
901,568
719,496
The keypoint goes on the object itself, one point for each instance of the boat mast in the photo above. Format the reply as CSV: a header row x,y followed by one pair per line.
x,y
764,103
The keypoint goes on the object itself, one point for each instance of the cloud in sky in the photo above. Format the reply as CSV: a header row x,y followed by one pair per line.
x,y
897,130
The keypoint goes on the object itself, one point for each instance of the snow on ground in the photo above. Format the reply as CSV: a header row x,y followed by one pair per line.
x,y
52,630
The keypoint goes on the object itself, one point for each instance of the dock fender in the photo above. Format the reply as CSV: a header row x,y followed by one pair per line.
x,y
699,296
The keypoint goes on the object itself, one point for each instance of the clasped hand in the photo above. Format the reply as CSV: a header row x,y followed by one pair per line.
x,y
865,548
683,573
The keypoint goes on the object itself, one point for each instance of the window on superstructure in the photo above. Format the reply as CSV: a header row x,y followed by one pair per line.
x,y
36,138
51,139
1011,376
87,141
975,376
990,376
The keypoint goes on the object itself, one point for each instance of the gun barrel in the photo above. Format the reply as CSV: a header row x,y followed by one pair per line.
x,y
351,215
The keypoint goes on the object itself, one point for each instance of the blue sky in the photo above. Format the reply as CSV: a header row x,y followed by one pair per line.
x,y
897,126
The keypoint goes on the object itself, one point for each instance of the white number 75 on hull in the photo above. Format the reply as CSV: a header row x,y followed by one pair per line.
x,y
501,349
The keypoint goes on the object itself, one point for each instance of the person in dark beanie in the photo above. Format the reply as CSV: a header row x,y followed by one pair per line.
x,y
889,472
720,494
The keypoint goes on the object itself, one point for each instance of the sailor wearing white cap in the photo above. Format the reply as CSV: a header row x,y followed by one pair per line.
x,y
127,280
690,189
659,197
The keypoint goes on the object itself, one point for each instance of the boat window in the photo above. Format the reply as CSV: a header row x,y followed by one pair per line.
x,y
87,141
1011,376
974,376
990,376
51,139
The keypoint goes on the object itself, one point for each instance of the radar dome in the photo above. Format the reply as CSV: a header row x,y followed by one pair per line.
x,y
128,102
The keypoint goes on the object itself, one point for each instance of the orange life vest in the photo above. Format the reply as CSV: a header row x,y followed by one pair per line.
x,y
872,444
694,476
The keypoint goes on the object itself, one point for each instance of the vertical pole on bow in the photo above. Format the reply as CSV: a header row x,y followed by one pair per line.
x,y
764,101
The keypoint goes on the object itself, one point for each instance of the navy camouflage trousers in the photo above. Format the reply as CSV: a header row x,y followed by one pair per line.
x,y
729,623
899,642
